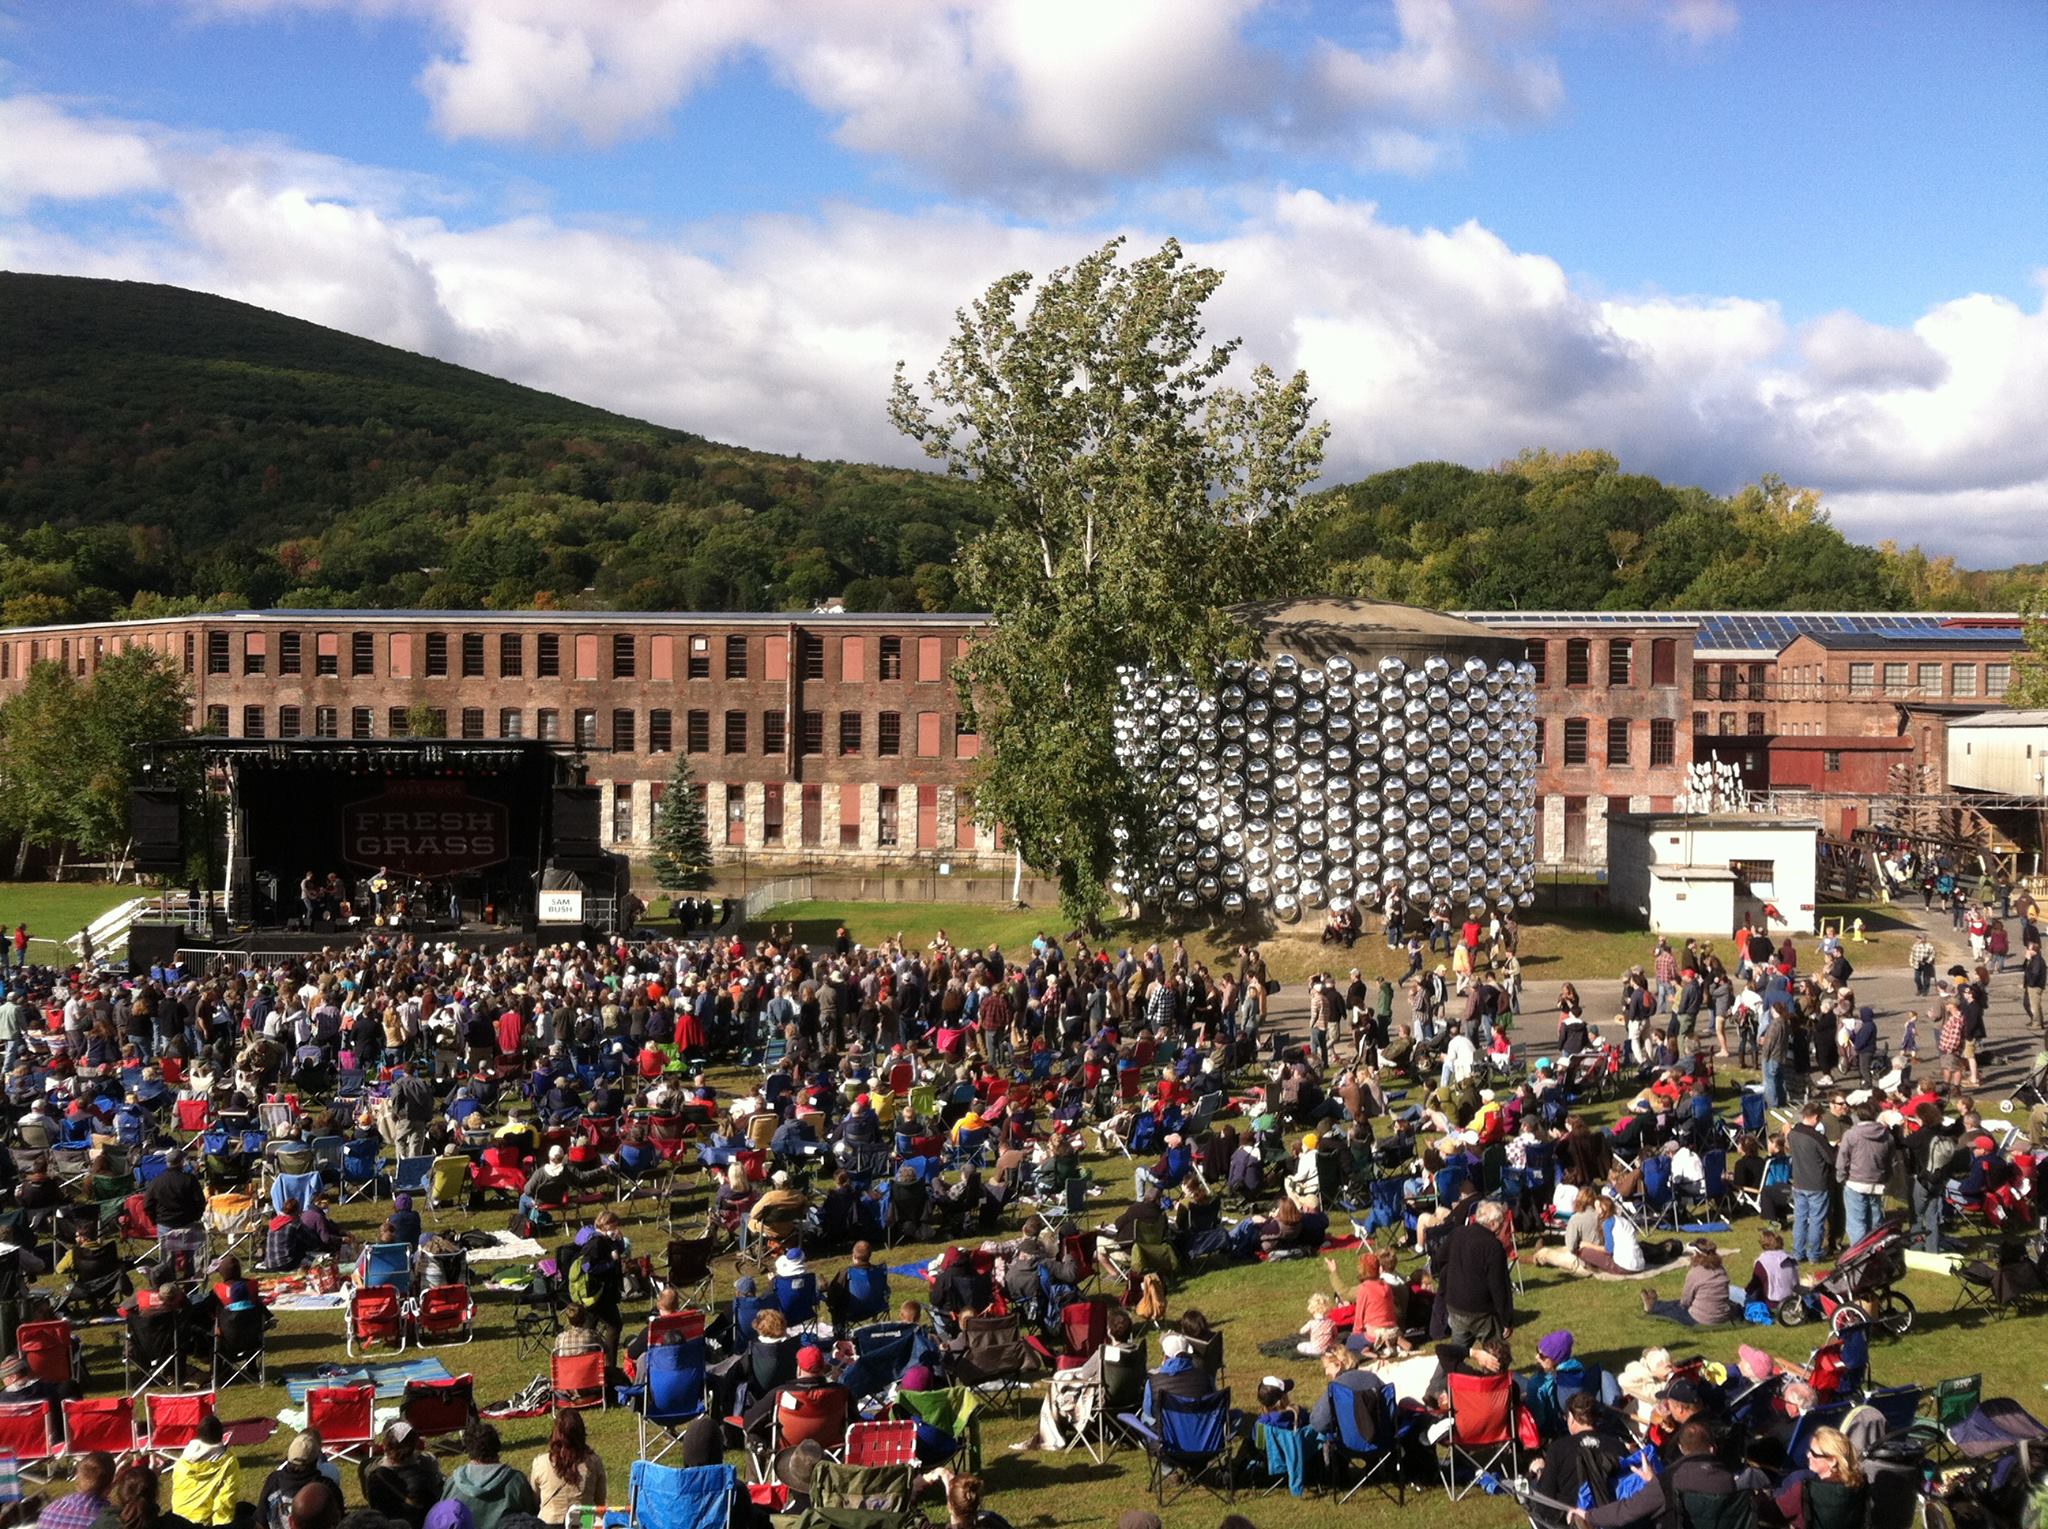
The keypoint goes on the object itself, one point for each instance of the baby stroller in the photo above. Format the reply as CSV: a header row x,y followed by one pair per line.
x,y
2032,1089
1860,1288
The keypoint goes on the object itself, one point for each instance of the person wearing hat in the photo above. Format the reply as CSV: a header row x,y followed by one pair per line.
x,y
813,1373
1558,1377
303,1467
403,1480
1180,1373
778,1209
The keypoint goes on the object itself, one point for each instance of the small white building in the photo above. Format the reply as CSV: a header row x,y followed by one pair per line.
x,y
2002,751
1703,873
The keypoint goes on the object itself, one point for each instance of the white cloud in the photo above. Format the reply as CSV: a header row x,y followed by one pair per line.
x,y
780,332
992,96
48,152
1700,21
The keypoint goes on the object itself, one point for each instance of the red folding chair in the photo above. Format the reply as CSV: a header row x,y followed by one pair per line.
x,y
99,1423
376,1315
665,1134
47,1349
194,1115
802,1415
578,1380
26,1432
170,1420
437,1408
881,1444
1482,1428
344,1417
172,1069
1085,1325
444,1312
677,1326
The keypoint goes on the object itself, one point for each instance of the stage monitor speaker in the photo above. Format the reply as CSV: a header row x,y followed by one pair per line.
x,y
575,819
156,822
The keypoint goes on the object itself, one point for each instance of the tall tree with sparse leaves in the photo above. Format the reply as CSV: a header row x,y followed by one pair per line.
x,y
1134,495
682,841
2029,687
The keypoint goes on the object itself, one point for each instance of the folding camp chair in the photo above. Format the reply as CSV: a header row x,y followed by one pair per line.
x,y
49,1349
170,1422
882,1444
362,1170
882,1351
671,1395
1193,1441
293,1186
805,1415
238,1337
344,1417
153,1350
439,1408
578,1380
673,1497
28,1433
330,1158
1657,1206
277,1118
796,1296
388,1263
446,1313
410,1176
996,1360
99,1423
376,1316
234,1224
689,1266
1482,1428
448,1183
193,1116
1368,1436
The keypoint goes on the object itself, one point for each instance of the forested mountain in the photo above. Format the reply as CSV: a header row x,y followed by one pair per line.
x,y
164,450
161,449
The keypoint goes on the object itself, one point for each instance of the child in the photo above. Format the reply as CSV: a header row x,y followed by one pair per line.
x,y
1376,1314
1775,1274
1275,1410
1319,1332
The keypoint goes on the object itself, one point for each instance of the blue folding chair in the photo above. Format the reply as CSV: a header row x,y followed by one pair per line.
x,y
362,1170
672,1396
410,1176
1368,1436
796,1296
293,1186
882,1351
679,1497
1658,1206
968,1147
867,1292
1387,1208
1752,1110
329,1158
388,1263
1192,1441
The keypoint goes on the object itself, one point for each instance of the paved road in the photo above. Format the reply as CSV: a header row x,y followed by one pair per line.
x,y
2004,1059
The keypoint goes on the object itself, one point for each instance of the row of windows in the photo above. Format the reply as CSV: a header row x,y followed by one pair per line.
x,y
1621,661
432,655
624,737
1724,723
1620,741
810,829
1900,679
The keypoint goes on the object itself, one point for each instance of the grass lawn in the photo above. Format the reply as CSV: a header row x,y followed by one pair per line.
x,y
1249,1302
1580,945
56,910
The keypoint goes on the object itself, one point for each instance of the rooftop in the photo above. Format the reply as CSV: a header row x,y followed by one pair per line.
x,y
2016,718
1764,634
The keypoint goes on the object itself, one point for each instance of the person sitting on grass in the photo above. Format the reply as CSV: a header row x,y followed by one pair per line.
x,y
1704,1300
206,1481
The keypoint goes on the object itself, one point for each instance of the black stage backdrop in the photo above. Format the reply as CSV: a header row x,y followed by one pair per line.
x,y
482,832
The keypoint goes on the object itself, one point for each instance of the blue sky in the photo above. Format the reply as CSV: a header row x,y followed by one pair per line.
x,y
1720,237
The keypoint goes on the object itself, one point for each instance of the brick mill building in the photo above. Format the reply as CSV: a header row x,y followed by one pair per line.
x,y
835,738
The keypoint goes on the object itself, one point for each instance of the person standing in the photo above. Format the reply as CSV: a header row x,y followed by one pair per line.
x,y
1813,1177
1921,959
1863,1163
2034,985
1477,1297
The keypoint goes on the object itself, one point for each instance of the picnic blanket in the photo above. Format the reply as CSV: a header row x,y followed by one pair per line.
x,y
506,1249
1655,1269
311,1300
389,1377
243,1431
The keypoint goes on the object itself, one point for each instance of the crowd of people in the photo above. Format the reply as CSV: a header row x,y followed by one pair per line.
x,y
976,1098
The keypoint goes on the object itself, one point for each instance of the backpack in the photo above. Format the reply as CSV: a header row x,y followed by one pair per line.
x,y
1941,1151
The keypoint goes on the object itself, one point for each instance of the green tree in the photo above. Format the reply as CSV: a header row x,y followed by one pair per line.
x,y
682,842
422,722
39,773
135,697
1132,496
2029,687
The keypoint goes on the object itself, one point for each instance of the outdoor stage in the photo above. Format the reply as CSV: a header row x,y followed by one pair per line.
x,y
327,842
